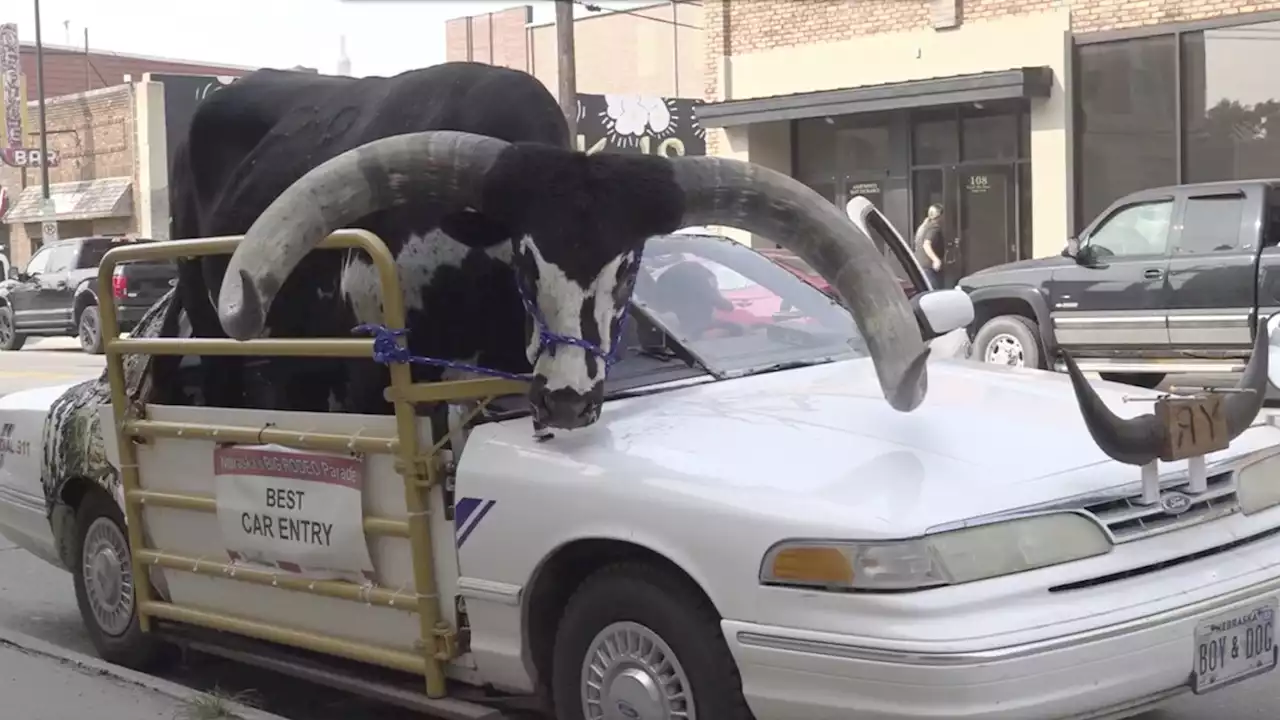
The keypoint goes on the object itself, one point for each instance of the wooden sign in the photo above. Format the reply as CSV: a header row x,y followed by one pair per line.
x,y
1193,425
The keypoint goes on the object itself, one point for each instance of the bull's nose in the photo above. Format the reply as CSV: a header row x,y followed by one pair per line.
x,y
564,409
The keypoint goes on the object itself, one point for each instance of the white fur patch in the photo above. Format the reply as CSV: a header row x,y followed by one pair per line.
x,y
560,300
418,261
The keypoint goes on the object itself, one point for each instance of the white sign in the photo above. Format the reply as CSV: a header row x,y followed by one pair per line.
x,y
48,232
297,511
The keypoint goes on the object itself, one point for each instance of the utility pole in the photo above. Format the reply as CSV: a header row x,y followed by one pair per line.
x,y
48,226
568,68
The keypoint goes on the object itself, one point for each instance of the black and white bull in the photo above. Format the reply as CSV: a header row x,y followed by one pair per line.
x,y
514,251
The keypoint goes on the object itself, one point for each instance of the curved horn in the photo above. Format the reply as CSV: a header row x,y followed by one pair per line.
x,y
720,191
1139,440
443,166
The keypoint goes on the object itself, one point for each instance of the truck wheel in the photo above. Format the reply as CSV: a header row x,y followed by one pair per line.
x,y
1007,340
10,339
1143,380
637,642
104,585
89,330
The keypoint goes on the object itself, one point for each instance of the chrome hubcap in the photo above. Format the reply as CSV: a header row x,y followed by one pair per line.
x,y
629,673
1005,350
88,329
108,579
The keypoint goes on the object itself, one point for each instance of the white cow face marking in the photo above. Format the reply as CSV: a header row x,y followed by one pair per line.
x,y
568,383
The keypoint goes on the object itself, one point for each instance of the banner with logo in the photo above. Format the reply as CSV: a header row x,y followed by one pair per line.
x,y
641,124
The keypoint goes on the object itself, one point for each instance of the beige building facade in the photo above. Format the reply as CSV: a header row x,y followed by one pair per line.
x,y
1024,119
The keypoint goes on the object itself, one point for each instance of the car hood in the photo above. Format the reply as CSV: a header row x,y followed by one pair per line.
x,y
821,443
1010,271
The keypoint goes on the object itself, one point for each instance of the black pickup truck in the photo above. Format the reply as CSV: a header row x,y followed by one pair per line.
x,y
1167,280
57,292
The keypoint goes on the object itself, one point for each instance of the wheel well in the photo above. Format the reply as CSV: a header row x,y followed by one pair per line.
x,y
988,309
559,578
83,300
72,494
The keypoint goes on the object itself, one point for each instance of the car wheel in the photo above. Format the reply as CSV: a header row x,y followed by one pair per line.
x,y
1008,340
10,339
89,330
638,642
1143,380
104,580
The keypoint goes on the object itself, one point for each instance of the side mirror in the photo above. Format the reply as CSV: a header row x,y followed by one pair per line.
x,y
942,311
1273,337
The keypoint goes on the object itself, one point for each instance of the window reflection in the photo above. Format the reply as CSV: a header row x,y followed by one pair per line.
x,y
1231,112
1128,96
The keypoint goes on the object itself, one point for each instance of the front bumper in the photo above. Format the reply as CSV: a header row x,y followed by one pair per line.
x,y
1111,671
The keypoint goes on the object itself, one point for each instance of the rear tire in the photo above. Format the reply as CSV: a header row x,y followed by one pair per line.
x,y
104,580
1011,340
650,643
10,339
89,330
1150,381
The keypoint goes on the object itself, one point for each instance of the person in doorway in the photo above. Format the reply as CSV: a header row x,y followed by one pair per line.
x,y
928,245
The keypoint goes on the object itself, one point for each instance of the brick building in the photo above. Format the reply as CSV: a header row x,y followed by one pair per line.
x,y
1024,118
110,139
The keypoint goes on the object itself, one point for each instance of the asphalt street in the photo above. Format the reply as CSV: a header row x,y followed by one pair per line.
x,y
37,600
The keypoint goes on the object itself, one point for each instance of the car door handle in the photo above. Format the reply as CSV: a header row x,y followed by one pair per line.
x,y
1153,273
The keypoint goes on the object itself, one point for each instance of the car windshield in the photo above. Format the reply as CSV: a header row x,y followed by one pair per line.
x,y
735,311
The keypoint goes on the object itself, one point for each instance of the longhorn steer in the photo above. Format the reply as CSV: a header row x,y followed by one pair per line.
x,y
514,251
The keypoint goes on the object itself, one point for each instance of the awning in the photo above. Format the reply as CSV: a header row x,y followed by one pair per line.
x,y
1027,82
83,200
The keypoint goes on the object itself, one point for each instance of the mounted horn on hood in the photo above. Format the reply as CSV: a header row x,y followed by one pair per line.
x,y
1143,439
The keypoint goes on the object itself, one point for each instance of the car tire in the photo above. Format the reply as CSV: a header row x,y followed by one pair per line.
x,y
108,606
1150,381
679,630
10,339
1011,337
89,330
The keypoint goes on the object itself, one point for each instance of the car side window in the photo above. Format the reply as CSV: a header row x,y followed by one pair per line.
x,y
61,257
1211,223
1134,230
39,262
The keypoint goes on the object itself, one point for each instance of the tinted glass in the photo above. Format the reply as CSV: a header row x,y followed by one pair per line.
x,y
1231,103
815,151
736,310
1133,230
990,136
863,150
91,252
61,257
1211,224
1128,97
935,138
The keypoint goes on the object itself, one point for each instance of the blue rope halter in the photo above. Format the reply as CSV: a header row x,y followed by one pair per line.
x,y
387,349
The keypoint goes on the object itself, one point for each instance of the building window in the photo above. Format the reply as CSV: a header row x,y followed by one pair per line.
x,y
989,134
1127,106
935,137
1231,103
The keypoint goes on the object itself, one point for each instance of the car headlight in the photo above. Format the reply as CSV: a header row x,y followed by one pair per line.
x,y
945,558
1258,485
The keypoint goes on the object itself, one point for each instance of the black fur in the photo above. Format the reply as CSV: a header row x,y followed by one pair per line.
x,y
254,138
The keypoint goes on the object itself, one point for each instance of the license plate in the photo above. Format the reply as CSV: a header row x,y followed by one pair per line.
x,y
1234,646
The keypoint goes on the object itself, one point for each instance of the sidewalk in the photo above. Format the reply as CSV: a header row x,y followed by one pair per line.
x,y
41,682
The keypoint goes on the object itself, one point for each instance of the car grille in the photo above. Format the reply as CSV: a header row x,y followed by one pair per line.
x,y
1129,520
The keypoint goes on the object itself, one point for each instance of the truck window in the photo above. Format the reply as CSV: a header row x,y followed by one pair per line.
x,y
1211,224
1271,222
91,252
1133,230
61,257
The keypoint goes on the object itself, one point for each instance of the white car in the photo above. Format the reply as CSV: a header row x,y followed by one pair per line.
x,y
751,531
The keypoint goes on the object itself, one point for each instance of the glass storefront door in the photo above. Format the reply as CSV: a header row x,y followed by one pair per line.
x,y
987,209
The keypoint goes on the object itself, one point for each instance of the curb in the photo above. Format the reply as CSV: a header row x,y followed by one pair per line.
x,y
95,666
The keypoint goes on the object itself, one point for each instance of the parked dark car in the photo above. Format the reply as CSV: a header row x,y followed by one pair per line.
x,y
1168,280
57,292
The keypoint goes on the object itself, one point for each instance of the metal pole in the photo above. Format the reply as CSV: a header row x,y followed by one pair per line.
x,y
675,45
88,81
568,70
44,141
